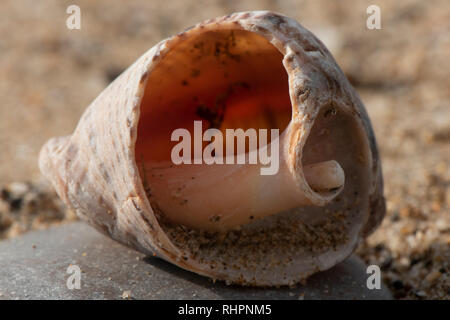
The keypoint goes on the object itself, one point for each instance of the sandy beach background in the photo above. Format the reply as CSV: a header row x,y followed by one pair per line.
x,y
50,74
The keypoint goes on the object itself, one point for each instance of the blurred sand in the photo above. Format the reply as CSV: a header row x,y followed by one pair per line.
x,y
50,74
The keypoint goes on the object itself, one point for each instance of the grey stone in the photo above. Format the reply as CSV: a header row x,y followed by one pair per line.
x,y
35,267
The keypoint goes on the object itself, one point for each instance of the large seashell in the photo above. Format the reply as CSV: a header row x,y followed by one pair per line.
x,y
229,222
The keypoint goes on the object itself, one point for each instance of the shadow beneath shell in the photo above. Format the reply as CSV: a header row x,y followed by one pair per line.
x,y
345,281
219,288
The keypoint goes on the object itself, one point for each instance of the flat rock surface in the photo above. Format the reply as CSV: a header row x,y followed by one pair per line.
x,y
35,267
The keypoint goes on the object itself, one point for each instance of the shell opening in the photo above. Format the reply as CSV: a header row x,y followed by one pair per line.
x,y
307,237
222,79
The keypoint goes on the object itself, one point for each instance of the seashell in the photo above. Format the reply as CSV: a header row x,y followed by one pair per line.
x,y
230,222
